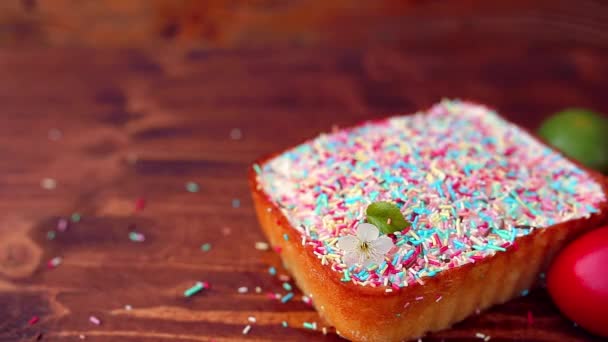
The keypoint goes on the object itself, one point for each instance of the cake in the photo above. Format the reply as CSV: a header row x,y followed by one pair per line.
x,y
488,206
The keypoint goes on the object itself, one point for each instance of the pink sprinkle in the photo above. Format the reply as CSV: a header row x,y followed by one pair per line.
x,y
437,240
140,204
284,277
270,295
419,298
94,320
33,320
277,249
406,305
434,263
56,261
307,300
530,318
438,299
62,225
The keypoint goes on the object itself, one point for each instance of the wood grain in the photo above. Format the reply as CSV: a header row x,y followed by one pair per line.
x,y
250,23
138,123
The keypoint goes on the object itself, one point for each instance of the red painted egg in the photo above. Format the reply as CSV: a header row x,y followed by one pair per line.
x,y
578,281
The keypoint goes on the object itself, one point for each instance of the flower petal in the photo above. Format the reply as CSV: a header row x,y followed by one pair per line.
x,y
351,259
367,232
348,243
382,245
373,259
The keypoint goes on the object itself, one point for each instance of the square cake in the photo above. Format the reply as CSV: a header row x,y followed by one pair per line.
x,y
488,205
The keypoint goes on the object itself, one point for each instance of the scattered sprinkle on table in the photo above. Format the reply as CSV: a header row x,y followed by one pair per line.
x,y
54,134
246,329
62,224
272,270
258,289
236,134
284,277
128,307
94,320
236,203
76,217
310,326
307,300
51,235
262,246
33,320
284,324
140,204
251,319
206,247
48,183
192,187
286,298
137,237
56,261
196,288
525,292
242,289
287,286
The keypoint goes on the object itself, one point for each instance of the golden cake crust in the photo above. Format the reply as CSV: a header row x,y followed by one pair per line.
x,y
364,313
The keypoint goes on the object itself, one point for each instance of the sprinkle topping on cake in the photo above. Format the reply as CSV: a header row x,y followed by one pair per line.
x,y
469,183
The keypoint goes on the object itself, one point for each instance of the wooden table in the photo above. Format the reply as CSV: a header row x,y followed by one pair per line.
x,y
90,132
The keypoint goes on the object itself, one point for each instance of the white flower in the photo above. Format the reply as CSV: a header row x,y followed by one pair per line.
x,y
367,248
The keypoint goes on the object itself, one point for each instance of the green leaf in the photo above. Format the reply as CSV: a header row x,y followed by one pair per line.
x,y
386,216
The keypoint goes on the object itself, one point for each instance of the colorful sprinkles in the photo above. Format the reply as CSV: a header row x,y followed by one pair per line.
x,y
469,182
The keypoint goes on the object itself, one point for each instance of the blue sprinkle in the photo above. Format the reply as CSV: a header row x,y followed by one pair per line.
x,y
498,248
415,223
257,169
352,200
458,244
452,193
362,273
285,237
272,271
286,298
437,186
236,203
525,292
395,258
591,209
